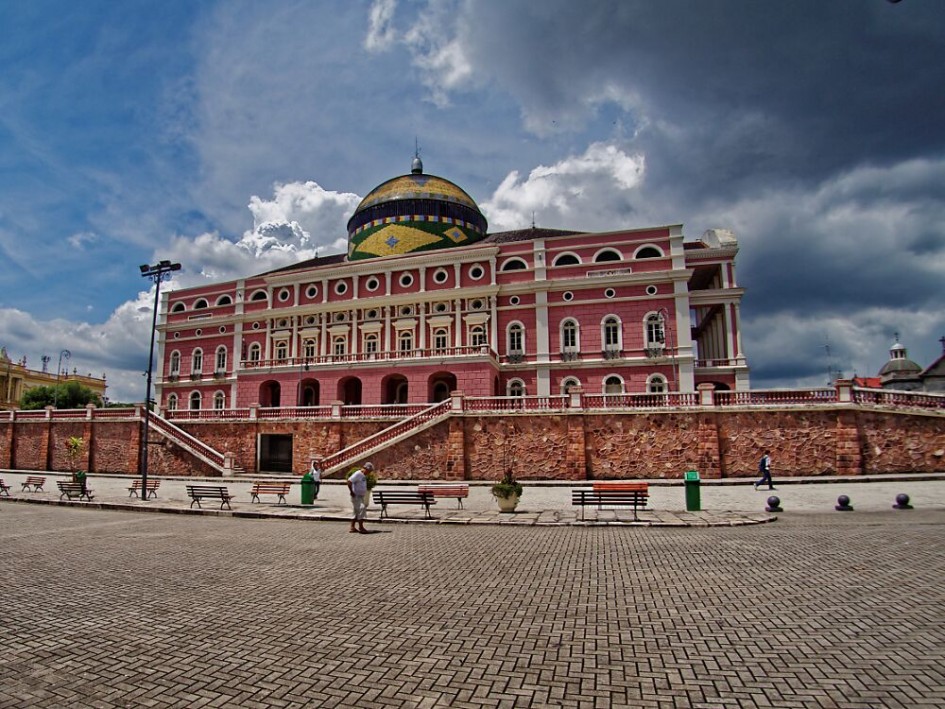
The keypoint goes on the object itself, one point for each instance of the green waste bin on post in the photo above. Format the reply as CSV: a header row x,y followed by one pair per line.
x,y
308,489
693,493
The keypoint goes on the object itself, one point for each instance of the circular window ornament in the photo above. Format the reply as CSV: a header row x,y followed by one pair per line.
x,y
568,296
339,317
406,280
222,329
439,308
476,272
176,335
310,320
406,310
515,300
610,293
372,314
283,323
284,295
476,304
311,291
372,284
198,332
652,290
440,275
255,325
341,288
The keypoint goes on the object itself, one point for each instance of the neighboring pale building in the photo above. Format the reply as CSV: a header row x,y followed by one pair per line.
x,y
16,378
902,374
426,302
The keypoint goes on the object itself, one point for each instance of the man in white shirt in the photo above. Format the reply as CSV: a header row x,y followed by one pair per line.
x,y
357,486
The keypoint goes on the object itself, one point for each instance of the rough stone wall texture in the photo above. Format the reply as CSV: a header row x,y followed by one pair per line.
x,y
802,442
891,445
30,445
420,457
114,447
650,446
535,447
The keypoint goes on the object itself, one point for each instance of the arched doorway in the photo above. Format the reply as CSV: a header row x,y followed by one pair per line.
x,y
309,392
441,384
349,391
270,394
395,389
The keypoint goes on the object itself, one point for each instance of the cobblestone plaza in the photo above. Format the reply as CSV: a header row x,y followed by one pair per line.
x,y
126,609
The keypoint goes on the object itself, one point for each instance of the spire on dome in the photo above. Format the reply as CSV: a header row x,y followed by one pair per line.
x,y
416,167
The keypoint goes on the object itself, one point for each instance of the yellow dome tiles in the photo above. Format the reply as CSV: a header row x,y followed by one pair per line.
x,y
395,239
413,186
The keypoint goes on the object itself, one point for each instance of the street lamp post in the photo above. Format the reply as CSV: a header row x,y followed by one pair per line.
x,y
62,354
160,271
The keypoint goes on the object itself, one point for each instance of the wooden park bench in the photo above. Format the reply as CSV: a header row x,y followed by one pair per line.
x,y
459,490
4,488
632,495
71,489
135,489
33,481
212,492
270,488
403,497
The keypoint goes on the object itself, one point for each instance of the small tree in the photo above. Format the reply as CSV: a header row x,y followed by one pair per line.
x,y
74,448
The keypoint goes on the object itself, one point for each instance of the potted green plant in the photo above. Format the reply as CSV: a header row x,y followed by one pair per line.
x,y
74,449
507,492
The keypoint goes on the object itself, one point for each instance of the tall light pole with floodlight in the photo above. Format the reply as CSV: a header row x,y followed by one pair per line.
x,y
160,271
63,354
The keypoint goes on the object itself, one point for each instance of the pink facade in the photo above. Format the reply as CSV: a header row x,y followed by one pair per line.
x,y
527,313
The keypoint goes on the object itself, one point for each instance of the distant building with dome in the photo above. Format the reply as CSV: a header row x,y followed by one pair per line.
x,y
427,302
902,374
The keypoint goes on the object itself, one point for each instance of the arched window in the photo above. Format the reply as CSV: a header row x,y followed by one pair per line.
x,y
477,336
648,252
656,384
178,308
371,343
309,348
224,300
514,264
200,304
516,339
255,352
339,346
172,402
516,387
282,351
567,260
607,255
219,401
613,385
441,339
655,330
195,401
259,295
221,359
175,363
405,341
611,334
569,335
569,383
197,362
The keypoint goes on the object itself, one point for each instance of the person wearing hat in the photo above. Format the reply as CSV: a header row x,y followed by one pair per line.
x,y
357,486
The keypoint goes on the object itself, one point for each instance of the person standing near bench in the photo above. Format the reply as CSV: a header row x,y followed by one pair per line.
x,y
357,486
316,472
764,467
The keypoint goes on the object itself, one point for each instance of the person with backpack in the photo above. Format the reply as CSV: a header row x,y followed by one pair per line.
x,y
764,467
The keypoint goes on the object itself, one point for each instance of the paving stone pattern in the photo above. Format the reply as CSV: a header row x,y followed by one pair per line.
x,y
127,609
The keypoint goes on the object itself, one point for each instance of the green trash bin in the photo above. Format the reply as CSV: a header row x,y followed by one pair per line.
x,y
308,489
693,492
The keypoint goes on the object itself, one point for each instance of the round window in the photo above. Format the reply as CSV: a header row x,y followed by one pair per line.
x,y
568,295
341,288
372,314
222,329
339,317
198,332
610,293
176,335
372,284
476,305
651,290
440,308
310,320
311,291
406,280
476,272
440,276
255,325
284,294
406,310
515,300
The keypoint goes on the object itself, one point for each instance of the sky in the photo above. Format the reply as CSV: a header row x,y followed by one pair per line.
x,y
238,136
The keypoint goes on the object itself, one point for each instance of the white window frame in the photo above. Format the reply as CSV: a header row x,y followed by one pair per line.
x,y
196,361
220,364
604,333
515,387
515,330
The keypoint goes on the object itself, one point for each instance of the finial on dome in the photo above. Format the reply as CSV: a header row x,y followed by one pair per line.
x,y
416,167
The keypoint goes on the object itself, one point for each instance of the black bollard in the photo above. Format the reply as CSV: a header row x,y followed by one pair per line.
x,y
902,502
774,504
843,504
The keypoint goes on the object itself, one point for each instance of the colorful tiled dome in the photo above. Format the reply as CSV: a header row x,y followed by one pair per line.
x,y
414,212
